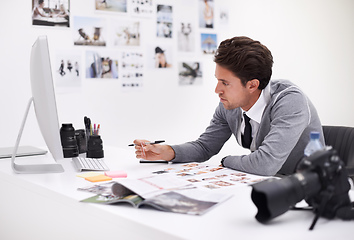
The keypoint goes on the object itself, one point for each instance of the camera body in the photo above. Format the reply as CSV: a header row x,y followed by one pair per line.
x,y
333,179
320,179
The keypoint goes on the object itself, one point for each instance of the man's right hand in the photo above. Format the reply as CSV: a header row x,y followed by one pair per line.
x,y
153,151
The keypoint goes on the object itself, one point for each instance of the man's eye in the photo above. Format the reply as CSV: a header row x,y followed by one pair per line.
x,y
225,83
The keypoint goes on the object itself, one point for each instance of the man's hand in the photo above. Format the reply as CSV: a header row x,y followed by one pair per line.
x,y
147,151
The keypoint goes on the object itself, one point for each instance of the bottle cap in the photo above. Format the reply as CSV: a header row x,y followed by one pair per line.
x,y
314,135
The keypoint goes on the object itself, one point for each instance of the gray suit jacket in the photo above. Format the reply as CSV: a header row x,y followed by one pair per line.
x,y
279,144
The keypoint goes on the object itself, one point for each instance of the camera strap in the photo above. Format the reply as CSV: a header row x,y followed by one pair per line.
x,y
325,197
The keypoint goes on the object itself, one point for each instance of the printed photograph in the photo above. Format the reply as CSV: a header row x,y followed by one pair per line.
x,y
125,33
142,8
111,5
67,70
189,73
89,31
185,37
208,43
101,65
132,70
223,16
164,21
53,13
206,13
160,56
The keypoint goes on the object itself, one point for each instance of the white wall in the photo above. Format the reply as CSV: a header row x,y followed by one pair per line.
x,y
311,41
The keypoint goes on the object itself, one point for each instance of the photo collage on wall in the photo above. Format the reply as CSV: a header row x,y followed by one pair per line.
x,y
110,40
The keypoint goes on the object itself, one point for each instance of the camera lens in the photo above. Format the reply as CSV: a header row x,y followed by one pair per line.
x,y
81,140
68,140
275,196
94,147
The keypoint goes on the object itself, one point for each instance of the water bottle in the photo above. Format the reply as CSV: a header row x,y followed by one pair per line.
x,y
314,144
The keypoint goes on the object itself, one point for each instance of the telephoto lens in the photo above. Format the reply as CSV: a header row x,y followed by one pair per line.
x,y
68,141
94,147
274,197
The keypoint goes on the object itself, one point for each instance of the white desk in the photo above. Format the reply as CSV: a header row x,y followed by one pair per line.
x,y
46,206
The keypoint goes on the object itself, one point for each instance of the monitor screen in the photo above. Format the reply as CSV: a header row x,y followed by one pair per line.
x,y
43,97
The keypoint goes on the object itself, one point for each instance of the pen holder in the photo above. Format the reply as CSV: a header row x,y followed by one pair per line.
x,y
94,147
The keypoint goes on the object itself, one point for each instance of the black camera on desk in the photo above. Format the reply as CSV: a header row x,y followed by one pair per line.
x,y
75,142
321,180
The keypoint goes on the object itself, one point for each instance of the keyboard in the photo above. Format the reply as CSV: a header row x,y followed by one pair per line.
x,y
90,164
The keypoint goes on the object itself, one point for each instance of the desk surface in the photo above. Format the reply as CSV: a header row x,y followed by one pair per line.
x,y
46,206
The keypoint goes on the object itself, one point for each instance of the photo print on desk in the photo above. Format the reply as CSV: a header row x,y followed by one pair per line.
x,y
67,71
55,14
164,21
190,73
117,6
210,176
208,43
125,33
132,70
89,31
142,8
101,64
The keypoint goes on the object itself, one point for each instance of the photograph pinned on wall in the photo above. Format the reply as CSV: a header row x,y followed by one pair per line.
x,y
118,6
186,39
132,70
67,71
208,43
101,65
125,33
89,31
206,13
164,21
54,13
160,56
190,73
142,8
223,16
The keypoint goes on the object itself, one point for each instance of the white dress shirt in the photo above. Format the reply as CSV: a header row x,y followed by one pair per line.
x,y
255,113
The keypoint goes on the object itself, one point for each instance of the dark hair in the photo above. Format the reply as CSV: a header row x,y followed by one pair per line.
x,y
246,58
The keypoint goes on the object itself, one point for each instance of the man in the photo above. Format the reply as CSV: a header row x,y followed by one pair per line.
x,y
276,128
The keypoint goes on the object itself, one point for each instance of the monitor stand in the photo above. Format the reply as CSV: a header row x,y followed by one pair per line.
x,y
32,168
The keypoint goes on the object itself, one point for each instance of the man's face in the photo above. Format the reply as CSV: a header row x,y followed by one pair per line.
x,y
231,92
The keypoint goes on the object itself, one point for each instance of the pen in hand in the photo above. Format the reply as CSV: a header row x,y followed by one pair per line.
x,y
146,143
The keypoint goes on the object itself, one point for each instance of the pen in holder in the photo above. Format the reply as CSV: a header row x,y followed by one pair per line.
x,y
94,147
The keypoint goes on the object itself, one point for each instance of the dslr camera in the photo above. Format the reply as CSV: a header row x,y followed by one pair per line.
x,y
320,179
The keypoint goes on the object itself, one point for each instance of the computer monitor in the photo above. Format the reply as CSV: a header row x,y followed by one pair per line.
x,y
43,98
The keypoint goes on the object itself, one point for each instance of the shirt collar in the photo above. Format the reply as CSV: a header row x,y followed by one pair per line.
x,y
256,111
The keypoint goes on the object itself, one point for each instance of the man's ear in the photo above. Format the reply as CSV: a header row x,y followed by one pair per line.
x,y
253,84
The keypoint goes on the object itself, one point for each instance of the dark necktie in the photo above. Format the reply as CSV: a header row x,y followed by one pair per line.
x,y
247,135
